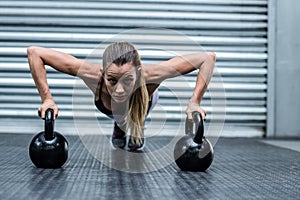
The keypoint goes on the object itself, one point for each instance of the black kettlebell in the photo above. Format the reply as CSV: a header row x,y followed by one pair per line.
x,y
48,149
193,152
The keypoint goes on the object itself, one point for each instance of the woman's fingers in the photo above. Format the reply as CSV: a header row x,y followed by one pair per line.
x,y
203,113
192,107
48,104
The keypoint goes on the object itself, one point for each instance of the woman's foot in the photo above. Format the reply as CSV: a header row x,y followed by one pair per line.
x,y
132,146
118,139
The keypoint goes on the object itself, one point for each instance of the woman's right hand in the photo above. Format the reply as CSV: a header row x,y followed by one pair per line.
x,y
48,104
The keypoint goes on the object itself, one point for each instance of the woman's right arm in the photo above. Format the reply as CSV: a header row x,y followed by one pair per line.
x,y
38,57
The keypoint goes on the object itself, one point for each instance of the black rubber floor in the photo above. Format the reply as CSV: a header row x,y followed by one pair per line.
x,y
242,169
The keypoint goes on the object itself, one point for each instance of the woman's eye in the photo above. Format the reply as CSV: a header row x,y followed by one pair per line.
x,y
113,81
128,81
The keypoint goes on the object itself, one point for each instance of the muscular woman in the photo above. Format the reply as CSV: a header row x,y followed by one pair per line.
x,y
124,89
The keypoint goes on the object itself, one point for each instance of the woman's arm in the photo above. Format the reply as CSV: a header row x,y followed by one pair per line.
x,y
38,57
180,65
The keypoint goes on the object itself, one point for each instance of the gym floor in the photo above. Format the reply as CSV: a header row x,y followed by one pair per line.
x,y
242,169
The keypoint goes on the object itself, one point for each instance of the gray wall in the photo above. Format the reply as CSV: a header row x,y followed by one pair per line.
x,y
235,29
286,69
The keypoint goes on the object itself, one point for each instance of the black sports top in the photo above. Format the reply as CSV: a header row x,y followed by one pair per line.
x,y
99,104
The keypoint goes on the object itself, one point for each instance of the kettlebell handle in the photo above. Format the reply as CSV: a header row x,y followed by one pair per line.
x,y
49,125
199,128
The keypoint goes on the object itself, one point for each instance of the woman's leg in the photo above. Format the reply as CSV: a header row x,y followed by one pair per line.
x,y
154,101
118,138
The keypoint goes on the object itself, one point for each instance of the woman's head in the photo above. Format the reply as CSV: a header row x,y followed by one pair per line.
x,y
124,81
121,66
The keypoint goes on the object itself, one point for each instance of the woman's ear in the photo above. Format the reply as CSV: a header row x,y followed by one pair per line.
x,y
139,71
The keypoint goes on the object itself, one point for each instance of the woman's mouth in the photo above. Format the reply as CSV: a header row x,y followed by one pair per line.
x,y
119,98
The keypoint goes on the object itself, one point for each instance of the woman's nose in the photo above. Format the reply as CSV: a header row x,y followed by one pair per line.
x,y
119,88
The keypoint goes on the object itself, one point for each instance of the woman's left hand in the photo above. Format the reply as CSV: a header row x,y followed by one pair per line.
x,y
194,107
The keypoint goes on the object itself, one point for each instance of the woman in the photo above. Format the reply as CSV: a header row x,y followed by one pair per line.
x,y
124,89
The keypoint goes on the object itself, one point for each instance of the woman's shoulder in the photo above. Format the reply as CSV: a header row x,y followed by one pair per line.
x,y
91,74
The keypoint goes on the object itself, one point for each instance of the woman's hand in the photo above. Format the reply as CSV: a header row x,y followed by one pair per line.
x,y
194,107
48,104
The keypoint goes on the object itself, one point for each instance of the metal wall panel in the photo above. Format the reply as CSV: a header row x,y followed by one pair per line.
x,y
235,29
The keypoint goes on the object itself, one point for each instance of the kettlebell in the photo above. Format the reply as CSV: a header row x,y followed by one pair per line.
x,y
48,149
193,152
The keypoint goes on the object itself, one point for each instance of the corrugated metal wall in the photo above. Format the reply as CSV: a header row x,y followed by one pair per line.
x,y
235,29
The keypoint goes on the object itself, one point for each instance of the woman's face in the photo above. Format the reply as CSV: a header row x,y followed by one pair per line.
x,y
120,81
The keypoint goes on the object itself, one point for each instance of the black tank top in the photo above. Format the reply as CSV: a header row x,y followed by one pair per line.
x,y
99,104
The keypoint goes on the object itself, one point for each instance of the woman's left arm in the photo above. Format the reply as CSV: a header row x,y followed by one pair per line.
x,y
180,65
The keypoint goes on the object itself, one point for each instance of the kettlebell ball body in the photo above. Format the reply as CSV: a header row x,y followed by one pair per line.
x,y
48,153
190,156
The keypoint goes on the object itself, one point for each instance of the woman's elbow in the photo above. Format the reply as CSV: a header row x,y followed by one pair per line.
x,y
212,56
32,50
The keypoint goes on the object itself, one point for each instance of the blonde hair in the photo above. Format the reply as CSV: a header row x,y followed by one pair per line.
x,y
120,53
